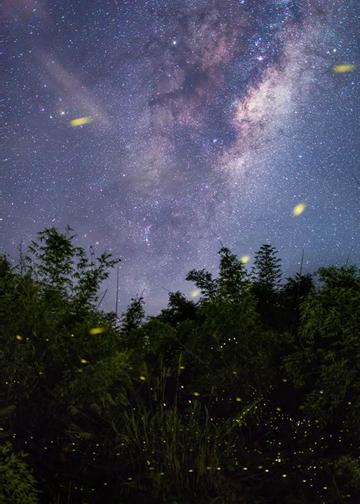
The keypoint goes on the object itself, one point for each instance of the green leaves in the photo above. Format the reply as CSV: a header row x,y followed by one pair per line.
x,y
133,316
5,413
56,262
17,484
232,282
251,383
204,281
233,278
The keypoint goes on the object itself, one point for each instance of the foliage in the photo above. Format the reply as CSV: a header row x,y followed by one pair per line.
x,y
57,263
176,449
267,270
204,281
179,309
17,484
250,394
134,315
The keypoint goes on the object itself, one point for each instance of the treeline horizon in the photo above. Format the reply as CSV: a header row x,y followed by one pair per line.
x,y
250,394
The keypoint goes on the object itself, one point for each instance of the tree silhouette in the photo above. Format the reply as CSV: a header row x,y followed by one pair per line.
x,y
233,278
267,270
204,281
134,315
266,275
179,309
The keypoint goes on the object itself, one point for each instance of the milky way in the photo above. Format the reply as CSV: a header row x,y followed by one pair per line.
x,y
206,122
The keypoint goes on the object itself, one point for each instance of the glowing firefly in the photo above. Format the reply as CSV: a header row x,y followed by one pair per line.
x,y
299,209
343,68
97,330
80,121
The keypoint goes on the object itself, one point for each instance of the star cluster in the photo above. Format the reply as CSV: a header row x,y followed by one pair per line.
x,y
160,129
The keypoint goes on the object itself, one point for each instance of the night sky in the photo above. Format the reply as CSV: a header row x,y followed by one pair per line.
x,y
206,123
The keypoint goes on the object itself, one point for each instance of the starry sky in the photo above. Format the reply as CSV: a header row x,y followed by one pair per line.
x,y
204,123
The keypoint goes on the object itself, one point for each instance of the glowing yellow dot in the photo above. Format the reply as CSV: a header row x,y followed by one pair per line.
x,y
80,121
142,378
18,337
191,470
245,468
238,399
343,68
84,361
195,293
284,475
299,209
181,367
97,330
196,394
244,259
218,468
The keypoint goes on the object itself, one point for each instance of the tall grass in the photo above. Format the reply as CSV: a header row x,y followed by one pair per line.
x,y
175,448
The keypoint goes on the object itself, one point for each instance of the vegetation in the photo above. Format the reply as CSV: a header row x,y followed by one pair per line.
x,y
249,395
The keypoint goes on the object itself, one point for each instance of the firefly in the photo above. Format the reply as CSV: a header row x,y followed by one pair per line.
x,y
80,121
299,209
97,330
343,68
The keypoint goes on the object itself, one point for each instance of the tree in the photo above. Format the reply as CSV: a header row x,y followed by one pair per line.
x,y
133,316
266,270
59,265
266,274
292,295
179,309
324,368
204,281
233,278
50,334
